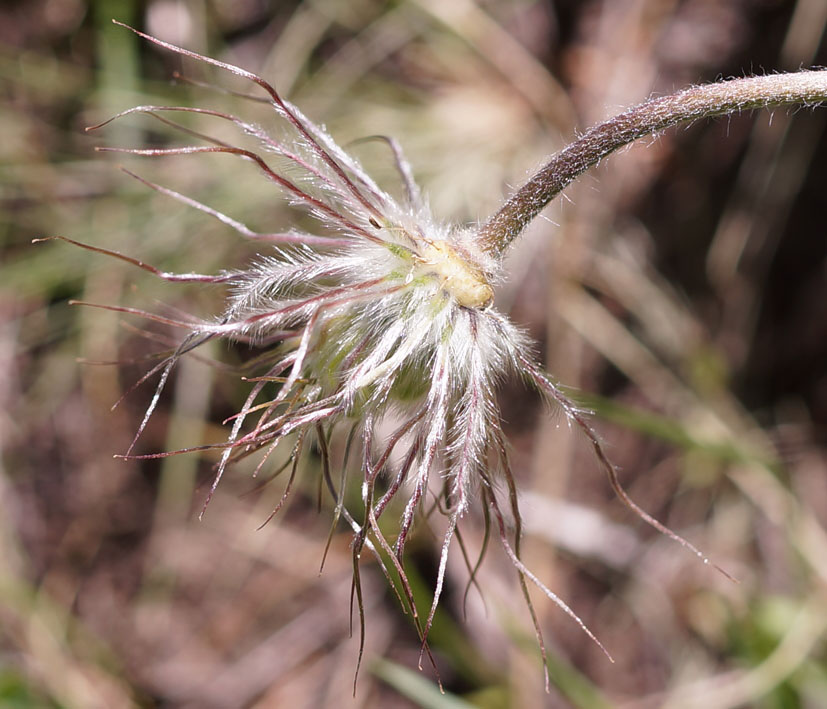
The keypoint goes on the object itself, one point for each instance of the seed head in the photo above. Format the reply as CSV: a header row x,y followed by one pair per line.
x,y
383,315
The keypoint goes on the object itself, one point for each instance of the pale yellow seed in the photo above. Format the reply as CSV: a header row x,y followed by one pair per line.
x,y
461,279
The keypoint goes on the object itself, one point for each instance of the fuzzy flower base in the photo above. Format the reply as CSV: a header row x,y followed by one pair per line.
x,y
383,315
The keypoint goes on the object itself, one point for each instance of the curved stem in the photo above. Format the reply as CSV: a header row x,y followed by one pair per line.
x,y
804,87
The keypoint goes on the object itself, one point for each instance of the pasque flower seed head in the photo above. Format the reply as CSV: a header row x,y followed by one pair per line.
x,y
384,315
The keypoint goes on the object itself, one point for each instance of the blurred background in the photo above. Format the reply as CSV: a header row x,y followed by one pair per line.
x,y
679,289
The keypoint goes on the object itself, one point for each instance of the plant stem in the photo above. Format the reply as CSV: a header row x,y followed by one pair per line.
x,y
804,87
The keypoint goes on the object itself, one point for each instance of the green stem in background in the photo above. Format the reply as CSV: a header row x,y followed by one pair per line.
x,y
719,99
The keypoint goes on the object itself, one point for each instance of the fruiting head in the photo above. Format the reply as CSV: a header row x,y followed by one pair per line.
x,y
385,315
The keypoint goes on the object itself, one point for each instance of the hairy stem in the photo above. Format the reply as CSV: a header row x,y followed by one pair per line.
x,y
805,87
